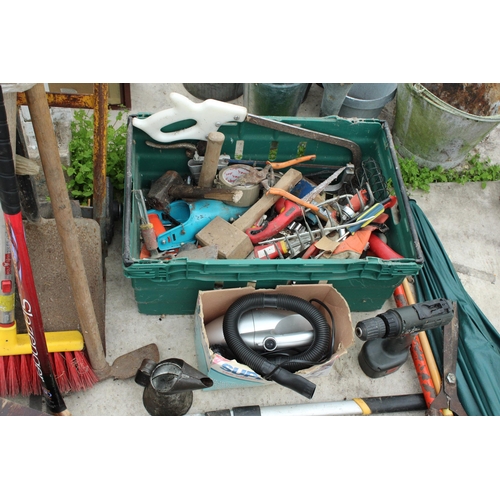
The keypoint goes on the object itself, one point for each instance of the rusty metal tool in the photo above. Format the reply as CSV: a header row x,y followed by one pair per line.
x,y
211,114
447,399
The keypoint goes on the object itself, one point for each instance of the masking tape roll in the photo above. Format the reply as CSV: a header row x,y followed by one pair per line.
x,y
228,176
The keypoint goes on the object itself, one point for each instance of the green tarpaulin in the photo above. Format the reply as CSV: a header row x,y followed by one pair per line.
x,y
478,365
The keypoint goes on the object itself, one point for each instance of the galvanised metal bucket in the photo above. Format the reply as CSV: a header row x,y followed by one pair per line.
x,y
367,100
432,131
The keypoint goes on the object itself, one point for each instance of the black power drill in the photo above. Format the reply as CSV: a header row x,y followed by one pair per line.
x,y
389,335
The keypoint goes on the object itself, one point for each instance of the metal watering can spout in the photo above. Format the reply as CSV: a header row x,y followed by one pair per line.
x,y
169,386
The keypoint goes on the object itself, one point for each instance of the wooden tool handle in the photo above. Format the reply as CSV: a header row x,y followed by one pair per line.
x,y
211,159
56,184
258,209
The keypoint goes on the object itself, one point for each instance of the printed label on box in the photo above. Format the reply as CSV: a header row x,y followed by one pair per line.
x,y
234,369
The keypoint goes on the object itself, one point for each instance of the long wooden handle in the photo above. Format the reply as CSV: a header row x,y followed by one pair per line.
x,y
211,159
56,185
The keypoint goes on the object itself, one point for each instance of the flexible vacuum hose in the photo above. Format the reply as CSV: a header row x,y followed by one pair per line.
x,y
281,373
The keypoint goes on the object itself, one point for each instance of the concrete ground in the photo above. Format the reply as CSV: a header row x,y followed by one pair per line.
x,y
471,242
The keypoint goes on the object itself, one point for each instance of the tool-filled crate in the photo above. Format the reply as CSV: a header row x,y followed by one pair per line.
x,y
333,209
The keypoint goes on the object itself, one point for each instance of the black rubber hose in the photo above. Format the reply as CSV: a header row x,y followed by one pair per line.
x,y
281,373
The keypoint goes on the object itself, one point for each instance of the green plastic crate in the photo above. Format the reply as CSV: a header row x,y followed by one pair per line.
x,y
171,287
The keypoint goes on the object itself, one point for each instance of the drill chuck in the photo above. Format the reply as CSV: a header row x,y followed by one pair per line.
x,y
406,320
390,334
370,329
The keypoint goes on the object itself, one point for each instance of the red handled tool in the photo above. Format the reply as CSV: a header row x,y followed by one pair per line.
x,y
287,210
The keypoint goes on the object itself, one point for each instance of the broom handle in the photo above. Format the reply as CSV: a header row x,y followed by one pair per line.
x,y
61,206
11,206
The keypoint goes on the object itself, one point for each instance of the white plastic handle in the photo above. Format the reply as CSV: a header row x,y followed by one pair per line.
x,y
209,116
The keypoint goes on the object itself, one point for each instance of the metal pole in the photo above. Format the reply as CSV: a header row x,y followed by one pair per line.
x,y
357,406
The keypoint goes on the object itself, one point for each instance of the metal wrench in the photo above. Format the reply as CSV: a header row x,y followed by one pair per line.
x,y
447,399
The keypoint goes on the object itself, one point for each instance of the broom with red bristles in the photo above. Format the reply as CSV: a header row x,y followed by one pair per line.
x,y
36,362
18,373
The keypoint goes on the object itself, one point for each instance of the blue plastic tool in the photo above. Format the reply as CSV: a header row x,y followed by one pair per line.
x,y
192,217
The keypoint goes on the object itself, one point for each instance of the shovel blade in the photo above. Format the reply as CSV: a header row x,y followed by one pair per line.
x,y
126,366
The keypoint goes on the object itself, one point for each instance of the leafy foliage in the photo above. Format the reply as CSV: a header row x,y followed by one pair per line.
x,y
81,169
476,170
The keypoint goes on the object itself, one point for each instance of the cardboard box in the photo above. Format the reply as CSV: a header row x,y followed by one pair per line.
x,y
228,373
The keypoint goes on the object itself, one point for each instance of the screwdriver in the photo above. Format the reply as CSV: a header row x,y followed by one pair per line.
x,y
369,215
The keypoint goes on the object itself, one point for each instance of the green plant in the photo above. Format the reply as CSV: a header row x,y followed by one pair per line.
x,y
81,149
475,170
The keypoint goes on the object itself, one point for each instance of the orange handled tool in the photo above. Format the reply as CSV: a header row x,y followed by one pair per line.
x,y
291,197
289,163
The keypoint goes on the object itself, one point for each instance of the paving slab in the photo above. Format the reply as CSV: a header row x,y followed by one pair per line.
x,y
463,217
